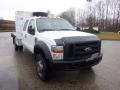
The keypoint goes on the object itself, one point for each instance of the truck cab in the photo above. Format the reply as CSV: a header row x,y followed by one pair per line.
x,y
56,44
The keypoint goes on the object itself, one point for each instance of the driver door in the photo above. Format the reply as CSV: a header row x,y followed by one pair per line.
x,y
29,37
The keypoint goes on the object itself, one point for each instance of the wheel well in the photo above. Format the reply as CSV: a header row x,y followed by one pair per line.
x,y
38,50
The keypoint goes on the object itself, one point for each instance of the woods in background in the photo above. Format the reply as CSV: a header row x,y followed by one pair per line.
x,y
105,14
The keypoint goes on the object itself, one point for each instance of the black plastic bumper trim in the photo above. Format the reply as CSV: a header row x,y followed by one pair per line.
x,y
74,65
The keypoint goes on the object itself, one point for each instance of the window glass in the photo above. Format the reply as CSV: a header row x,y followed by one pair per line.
x,y
50,24
31,27
25,26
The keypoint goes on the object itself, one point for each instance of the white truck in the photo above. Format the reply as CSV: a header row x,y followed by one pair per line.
x,y
55,43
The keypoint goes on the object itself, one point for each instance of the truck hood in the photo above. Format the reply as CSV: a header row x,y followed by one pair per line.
x,y
60,34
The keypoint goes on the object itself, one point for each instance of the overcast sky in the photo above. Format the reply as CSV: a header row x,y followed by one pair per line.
x,y
8,7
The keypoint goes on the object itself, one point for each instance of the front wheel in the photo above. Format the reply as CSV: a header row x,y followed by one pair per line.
x,y
42,68
88,68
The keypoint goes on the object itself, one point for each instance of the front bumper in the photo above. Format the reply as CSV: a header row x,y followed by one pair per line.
x,y
74,64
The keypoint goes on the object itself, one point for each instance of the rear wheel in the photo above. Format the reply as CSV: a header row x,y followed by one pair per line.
x,y
21,48
42,68
17,48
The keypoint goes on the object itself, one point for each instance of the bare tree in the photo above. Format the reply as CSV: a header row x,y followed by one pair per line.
x,y
69,15
105,14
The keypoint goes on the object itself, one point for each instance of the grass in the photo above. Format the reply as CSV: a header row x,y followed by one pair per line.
x,y
109,36
1,30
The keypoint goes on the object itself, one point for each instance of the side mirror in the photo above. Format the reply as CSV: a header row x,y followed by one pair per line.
x,y
78,28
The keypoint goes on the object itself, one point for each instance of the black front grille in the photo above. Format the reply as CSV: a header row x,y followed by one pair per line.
x,y
78,50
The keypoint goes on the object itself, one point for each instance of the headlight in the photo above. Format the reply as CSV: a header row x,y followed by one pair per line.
x,y
57,52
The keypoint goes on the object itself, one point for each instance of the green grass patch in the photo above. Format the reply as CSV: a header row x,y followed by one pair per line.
x,y
109,36
3,30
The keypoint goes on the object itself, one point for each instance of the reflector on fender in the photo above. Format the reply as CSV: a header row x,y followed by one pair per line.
x,y
57,51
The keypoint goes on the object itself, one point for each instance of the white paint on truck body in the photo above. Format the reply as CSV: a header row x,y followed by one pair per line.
x,y
48,37
20,18
60,34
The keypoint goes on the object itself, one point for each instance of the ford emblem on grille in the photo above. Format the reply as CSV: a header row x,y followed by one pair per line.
x,y
88,49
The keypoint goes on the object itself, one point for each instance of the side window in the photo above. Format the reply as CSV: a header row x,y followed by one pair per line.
x,y
25,26
31,27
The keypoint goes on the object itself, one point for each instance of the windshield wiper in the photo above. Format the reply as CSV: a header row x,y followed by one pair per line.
x,y
68,29
41,30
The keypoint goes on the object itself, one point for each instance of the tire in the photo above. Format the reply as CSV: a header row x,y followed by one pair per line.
x,y
17,48
88,68
42,68
20,48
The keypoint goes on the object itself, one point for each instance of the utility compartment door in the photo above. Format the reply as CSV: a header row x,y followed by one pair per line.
x,y
20,18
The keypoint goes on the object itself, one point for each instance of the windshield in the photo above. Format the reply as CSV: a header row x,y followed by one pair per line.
x,y
52,24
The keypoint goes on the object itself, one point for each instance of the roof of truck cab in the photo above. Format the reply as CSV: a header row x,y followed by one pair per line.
x,y
42,18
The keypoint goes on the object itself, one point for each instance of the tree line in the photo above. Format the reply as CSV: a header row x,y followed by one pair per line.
x,y
104,14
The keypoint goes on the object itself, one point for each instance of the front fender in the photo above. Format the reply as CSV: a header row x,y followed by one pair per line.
x,y
44,48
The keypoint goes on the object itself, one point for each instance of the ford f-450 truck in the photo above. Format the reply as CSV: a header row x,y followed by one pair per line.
x,y
55,43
